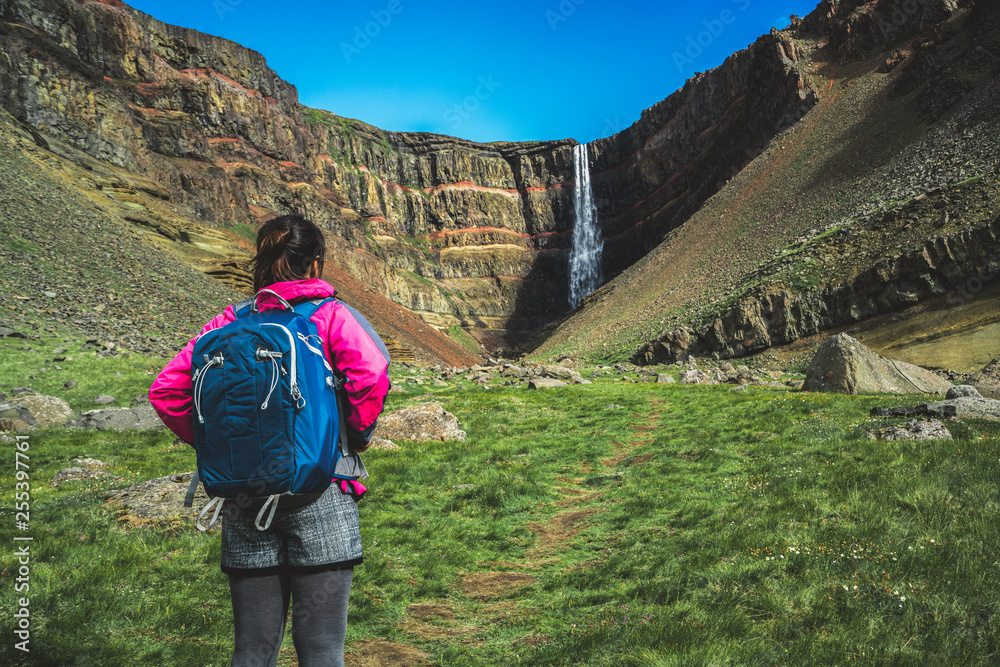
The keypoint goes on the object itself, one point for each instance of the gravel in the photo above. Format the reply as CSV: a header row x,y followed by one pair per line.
x,y
70,267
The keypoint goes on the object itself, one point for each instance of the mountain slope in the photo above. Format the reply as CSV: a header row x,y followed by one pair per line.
x,y
457,232
93,252
70,264
858,109
842,217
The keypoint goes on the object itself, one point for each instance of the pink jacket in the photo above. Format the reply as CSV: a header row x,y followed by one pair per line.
x,y
348,346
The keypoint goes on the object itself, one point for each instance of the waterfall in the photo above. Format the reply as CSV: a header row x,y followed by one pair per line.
x,y
585,258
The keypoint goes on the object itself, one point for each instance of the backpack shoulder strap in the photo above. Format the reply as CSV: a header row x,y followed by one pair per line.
x,y
307,308
243,307
192,487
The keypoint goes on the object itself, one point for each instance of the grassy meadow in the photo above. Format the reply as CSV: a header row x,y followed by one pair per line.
x,y
612,524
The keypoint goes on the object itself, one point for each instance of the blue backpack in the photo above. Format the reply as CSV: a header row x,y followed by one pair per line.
x,y
267,411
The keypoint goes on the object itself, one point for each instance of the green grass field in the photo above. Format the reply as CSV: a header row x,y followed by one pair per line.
x,y
609,524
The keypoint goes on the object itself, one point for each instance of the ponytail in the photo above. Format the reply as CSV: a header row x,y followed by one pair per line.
x,y
287,248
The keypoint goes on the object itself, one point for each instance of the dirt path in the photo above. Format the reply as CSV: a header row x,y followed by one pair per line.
x,y
556,534
486,594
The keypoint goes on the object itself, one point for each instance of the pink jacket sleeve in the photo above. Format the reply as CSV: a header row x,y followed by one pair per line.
x,y
353,352
171,390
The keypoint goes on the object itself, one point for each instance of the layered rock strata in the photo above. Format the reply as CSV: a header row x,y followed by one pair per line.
x,y
923,229
952,268
459,232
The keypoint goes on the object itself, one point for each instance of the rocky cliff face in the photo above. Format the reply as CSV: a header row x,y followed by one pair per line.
x,y
650,178
951,267
877,199
459,232
859,29
934,234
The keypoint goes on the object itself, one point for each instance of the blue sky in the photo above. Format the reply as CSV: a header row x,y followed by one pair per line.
x,y
486,70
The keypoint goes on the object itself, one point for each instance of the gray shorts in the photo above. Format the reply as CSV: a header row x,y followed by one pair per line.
x,y
322,535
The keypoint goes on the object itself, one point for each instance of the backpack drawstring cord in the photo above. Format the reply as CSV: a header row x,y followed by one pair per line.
x,y
199,382
275,372
273,502
219,504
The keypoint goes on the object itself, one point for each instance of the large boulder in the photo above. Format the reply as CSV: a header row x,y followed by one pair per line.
x,y
842,365
47,410
159,499
562,373
421,423
987,381
31,410
545,383
915,429
139,418
962,401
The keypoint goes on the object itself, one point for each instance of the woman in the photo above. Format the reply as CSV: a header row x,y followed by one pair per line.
x,y
308,553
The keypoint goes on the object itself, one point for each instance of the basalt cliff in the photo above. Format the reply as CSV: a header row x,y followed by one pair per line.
x,y
876,213
830,172
203,136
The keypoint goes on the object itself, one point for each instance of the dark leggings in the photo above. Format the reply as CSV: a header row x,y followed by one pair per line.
x,y
319,617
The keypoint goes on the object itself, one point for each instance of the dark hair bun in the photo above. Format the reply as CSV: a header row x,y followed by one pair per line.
x,y
287,248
